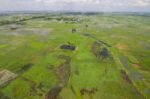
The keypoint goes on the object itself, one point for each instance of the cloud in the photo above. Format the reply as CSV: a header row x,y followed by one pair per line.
x,y
100,2
76,5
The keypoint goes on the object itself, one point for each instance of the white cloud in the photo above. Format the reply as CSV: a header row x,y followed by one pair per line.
x,y
141,2
101,2
82,5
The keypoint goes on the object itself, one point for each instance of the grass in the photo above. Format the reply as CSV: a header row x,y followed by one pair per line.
x,y
128,36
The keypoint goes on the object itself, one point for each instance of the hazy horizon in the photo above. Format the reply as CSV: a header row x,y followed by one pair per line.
x,y
76,5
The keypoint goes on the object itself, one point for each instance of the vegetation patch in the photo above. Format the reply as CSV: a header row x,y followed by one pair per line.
x,y
108,57
63,74
25,68
63,71
101,51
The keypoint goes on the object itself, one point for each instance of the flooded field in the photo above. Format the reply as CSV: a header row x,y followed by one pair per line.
x,y
65,56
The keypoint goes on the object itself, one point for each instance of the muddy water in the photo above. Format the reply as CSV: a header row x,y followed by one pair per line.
x,y
126,78
133,75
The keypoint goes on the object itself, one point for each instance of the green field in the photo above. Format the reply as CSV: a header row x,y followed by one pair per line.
x,y
111,59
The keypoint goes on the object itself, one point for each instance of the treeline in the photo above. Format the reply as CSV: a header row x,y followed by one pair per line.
x,y
62,18
5,22
81,13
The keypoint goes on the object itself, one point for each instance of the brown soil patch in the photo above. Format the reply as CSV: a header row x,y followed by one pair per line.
x,y
63,71
2,96
88,91
125,76
137,66
35,89
53,93
94,48
122,46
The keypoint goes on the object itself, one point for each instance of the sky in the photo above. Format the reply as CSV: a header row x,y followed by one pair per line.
x,y
76,5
